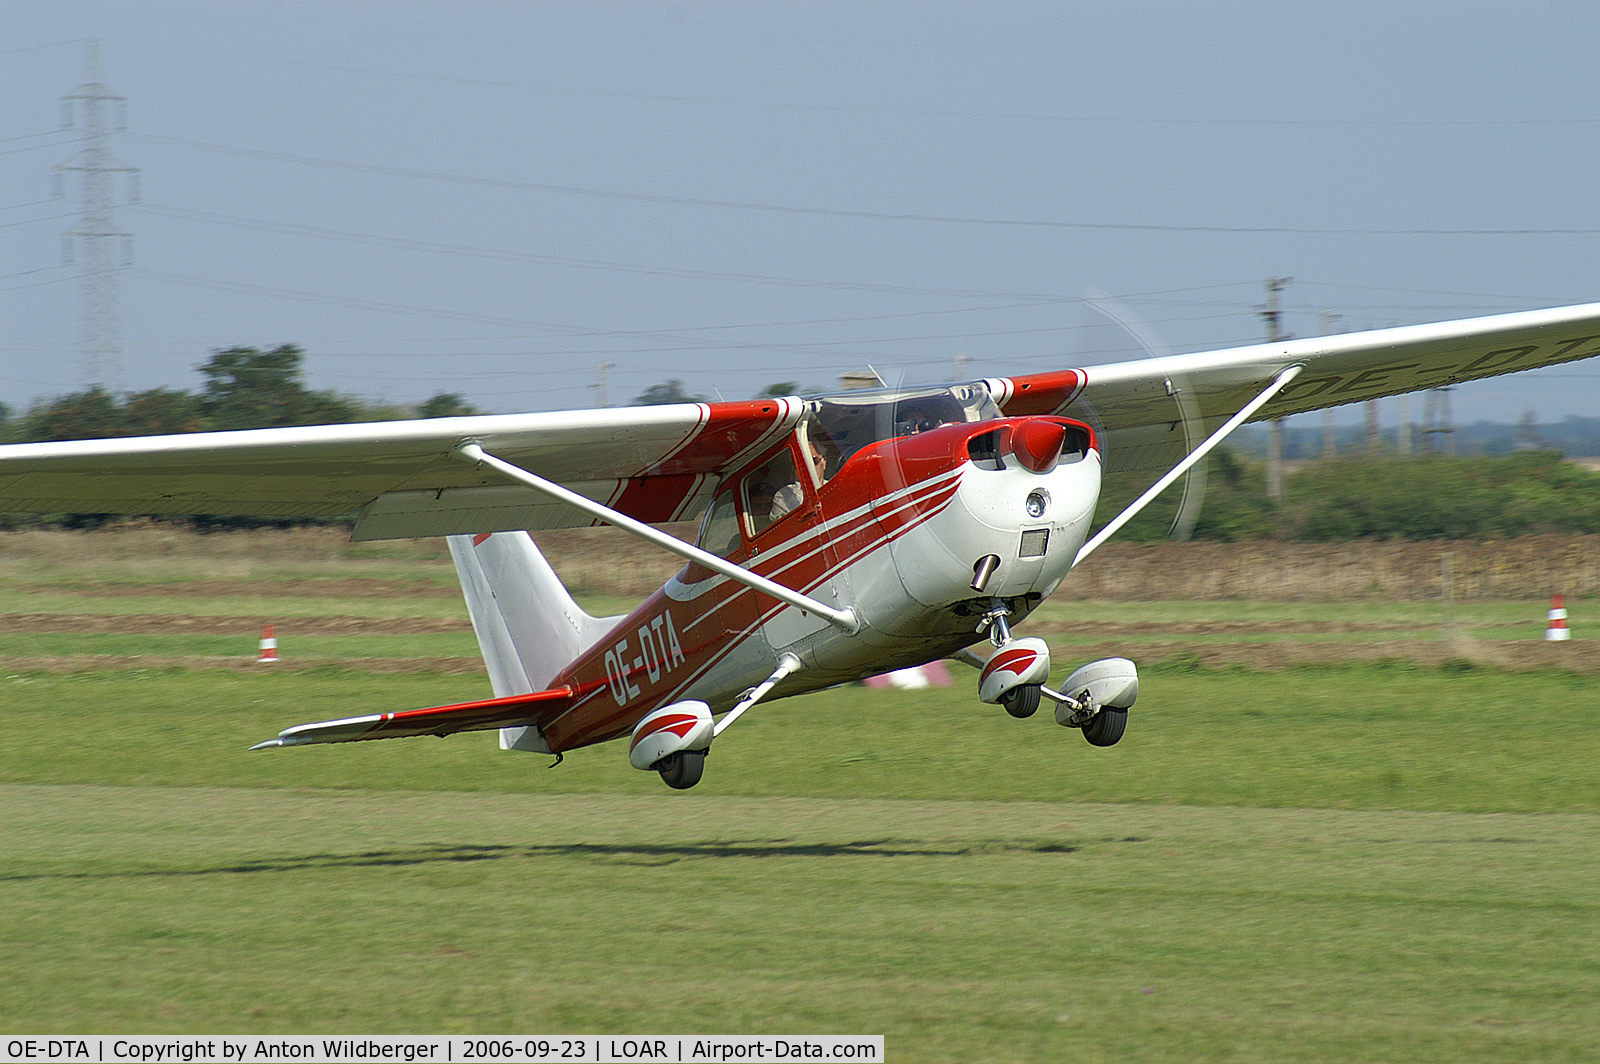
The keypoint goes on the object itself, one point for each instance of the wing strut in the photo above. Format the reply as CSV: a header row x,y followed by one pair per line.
x,y
1116,523
845,619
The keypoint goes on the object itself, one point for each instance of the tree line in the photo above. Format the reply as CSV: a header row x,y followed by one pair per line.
x,y
1426,497
244,388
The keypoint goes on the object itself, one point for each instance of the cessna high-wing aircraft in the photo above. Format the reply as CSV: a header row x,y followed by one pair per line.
x,y
842,536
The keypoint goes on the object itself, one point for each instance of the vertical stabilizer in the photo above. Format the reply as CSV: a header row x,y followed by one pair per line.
x,y
528,627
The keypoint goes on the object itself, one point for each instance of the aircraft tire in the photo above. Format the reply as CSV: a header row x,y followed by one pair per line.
x,y
682,770
1107,726
1021,702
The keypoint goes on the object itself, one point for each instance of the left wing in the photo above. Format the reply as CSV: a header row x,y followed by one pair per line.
x,y
654,463
1136,409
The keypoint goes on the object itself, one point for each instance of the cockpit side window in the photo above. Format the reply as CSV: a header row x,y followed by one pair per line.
x,y
771,491
822,454
719,531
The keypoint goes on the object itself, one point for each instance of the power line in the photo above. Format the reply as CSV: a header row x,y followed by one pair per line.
x,y
669,333
533,258
31,221
837,212
1539,300
1102,118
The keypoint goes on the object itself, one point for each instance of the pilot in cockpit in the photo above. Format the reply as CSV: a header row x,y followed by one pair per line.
x,y
924,414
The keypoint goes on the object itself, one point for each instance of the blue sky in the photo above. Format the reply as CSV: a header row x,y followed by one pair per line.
x,y
494,198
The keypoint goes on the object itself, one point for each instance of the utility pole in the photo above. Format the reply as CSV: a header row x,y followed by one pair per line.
x,y
600,368
1273,315
93,242
1330,440
1436,420
958,367
1403,439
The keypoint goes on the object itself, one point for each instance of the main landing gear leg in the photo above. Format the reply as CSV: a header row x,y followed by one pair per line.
x,y
675,739
786,665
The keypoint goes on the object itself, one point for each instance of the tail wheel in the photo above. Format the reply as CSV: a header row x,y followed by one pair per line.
x,y
1023,701
682,770
1106,727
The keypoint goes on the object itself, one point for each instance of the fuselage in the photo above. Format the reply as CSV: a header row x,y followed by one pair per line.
x,y
899,533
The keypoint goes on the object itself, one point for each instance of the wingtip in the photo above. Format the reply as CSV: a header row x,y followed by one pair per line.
x,y
284,740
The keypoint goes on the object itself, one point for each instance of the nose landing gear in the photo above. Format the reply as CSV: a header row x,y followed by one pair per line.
x,y
1014,674
1095,698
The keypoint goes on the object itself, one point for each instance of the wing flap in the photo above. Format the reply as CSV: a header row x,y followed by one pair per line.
x,y
512,507
526,710
339,469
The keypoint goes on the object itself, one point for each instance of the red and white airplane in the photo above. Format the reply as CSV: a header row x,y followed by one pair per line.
x,y
842,536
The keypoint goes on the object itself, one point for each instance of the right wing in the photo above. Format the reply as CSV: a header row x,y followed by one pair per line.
x,y
401,478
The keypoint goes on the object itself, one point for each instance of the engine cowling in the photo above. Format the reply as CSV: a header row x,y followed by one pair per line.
x,y
669,730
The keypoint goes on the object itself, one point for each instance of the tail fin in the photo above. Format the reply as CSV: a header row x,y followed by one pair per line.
x,y
528,627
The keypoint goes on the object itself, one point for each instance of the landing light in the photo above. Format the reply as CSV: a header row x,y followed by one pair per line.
x,y
1037,503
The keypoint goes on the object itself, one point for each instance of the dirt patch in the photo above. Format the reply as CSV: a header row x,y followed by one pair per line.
x,y
605,561
1150,629
166,624
20,663
1528,567
1412,653
354,587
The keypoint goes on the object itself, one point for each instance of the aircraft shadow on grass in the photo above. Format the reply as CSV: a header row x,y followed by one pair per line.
x,y
620,853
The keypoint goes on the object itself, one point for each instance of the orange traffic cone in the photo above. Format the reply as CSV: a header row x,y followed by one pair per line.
x,y
1556,627
269,645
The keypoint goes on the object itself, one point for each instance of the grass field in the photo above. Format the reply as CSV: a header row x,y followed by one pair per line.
x,y
1349,861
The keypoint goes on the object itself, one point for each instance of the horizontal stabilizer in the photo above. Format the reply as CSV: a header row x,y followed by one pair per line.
x,y
439,720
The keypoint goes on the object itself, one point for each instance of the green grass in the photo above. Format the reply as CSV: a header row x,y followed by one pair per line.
x,y
1321,865
1356,738
1356,863
995,931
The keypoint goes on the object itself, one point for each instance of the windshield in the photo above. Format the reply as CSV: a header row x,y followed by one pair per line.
x,y
841,425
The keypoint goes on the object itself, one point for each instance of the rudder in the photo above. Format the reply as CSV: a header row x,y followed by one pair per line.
x,y
528,626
